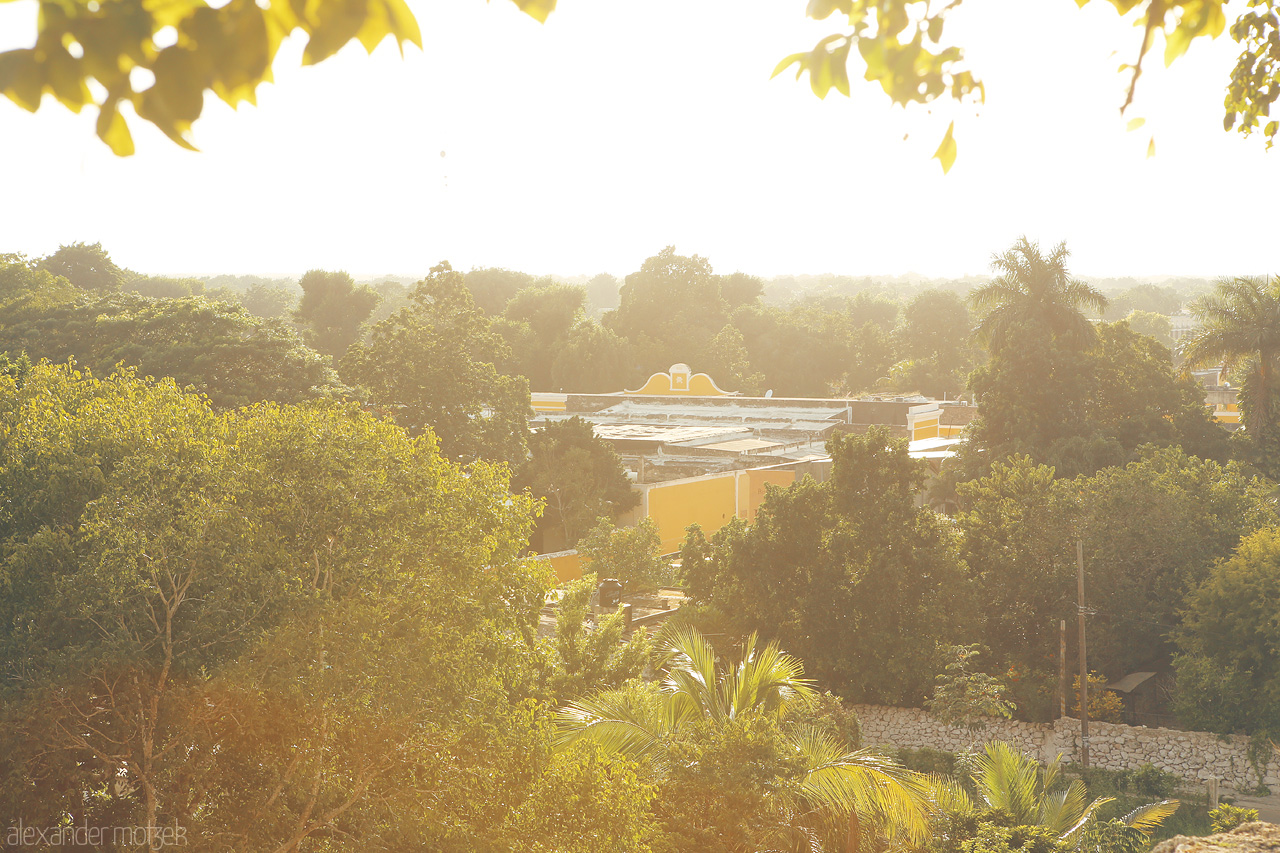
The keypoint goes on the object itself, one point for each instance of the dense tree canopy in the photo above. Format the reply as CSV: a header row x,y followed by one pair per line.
x,y
1018,552
333,308
1228,674
164,287
265,626
1147,298
270,301
848,572
86,266
431,365
818,348
1151,531
670,307
492,287
537,324
1240,330
933,347
592,360
219,349
1065,391
580,478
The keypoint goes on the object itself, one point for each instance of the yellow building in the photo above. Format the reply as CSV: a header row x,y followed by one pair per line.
x,y
712,500
701,455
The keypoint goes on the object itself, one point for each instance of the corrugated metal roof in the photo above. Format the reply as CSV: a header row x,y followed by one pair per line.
x,y
741,445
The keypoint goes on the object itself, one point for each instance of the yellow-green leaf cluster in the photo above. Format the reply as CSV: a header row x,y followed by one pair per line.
x,y
900,42
901,45
162,56
1253,87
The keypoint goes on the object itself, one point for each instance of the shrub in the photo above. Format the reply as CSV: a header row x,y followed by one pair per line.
x,y
925,760
1147,783
1150,781
832,715
1024,839
1105,706
1227,817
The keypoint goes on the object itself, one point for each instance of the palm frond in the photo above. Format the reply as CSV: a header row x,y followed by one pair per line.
x,y
692,678
1150,816
767,679
893,800
1034,292
948,793
619,720
1008,780
1089,815
1061,809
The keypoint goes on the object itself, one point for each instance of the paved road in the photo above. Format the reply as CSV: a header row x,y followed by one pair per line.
x,y
1268,807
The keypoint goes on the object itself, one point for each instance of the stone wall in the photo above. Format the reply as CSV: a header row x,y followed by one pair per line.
x,y
1194,756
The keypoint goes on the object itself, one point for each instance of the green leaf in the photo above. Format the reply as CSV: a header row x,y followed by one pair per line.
x,y
935,29
1136,123
1176,44
180,82
20,78
65,79
839,62
819,9
788,61
946,153
537,9
113,131
333,24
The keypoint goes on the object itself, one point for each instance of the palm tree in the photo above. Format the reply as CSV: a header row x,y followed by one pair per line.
x,y
1006,779
1240,321
1035,292
851,796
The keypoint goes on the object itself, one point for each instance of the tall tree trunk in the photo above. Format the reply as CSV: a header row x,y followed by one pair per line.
x,y
1262,408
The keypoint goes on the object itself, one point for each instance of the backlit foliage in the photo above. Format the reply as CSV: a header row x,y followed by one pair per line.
x,y
161,56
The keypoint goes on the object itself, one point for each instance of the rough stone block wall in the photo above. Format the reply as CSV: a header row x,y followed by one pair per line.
x,y
1193,756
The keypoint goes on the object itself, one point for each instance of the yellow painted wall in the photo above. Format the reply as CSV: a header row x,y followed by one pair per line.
x,y
925,429
751,489
707,502
544,402
1226,413
567,565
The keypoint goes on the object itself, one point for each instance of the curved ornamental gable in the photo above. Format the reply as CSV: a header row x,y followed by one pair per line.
x,y
680,380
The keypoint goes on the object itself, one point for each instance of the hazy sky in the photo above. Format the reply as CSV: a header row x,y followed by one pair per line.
x,y
589,143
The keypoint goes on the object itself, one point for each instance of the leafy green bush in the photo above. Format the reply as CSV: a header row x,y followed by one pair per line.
x,y
1115,836
836,718
1227,817
630,554
1147,783
925,760
1003,839
1150,781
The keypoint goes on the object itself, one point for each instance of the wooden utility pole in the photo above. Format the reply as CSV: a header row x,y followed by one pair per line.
x,y
1062,668
1084,669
